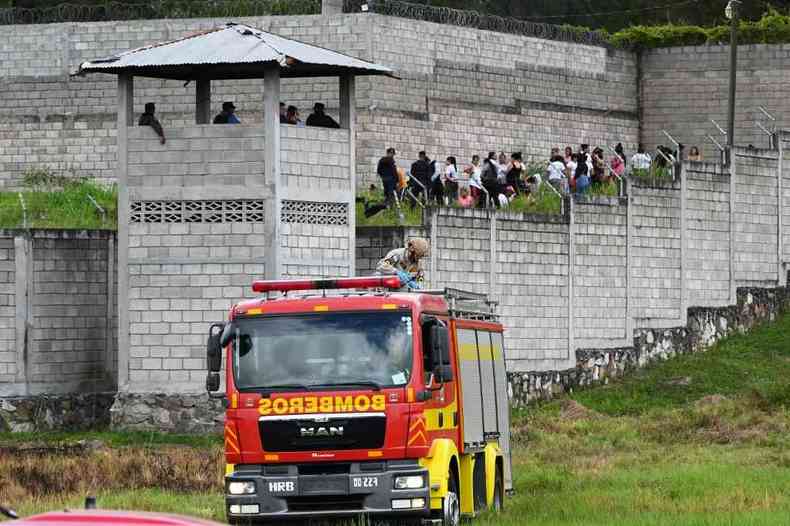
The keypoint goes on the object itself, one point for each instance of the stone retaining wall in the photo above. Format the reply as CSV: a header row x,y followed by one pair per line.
x,y
705,327
73,412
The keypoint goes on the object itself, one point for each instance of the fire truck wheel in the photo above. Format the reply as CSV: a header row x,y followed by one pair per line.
x,y
451,506
499,491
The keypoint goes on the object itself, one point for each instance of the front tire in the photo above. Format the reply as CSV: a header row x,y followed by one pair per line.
x,y
451,504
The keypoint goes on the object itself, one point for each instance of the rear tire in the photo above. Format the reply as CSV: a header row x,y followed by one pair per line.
x,y
451,504
499,492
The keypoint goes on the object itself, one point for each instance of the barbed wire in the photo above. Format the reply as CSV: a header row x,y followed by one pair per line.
x,y
157,9
458,17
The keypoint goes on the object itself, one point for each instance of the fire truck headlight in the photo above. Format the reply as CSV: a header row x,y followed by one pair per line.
x,y
245,487
409,482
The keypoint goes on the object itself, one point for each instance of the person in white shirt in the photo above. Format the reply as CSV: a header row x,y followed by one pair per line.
x,y
506,197
473,171
641,160
501,168
555,173
451,181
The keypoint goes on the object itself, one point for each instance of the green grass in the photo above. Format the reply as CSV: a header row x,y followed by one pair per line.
x,y
643,451
412,215
204,505
756,365
604,189
56,202
544,201
656,174
113,438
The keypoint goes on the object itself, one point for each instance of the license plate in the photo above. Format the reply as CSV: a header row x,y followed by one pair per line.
x,y
364,482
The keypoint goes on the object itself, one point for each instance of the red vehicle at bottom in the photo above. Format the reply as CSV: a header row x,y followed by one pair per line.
x,y
351,398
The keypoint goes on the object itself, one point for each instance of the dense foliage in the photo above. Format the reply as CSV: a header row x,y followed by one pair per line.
x,y
631,24
612,15
772,28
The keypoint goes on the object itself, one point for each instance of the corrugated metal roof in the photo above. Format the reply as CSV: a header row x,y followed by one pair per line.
x,y
233,51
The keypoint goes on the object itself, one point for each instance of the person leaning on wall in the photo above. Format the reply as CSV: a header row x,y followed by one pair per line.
x,y
149,119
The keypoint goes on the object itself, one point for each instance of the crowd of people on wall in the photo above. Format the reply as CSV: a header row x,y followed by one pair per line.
x,y
497,178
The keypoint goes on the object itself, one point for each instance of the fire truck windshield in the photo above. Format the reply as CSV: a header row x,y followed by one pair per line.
x,y
323,351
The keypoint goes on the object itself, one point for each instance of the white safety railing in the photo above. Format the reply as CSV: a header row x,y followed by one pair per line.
x,y
99,208
676,160
557,193
722,149
24,210
771,130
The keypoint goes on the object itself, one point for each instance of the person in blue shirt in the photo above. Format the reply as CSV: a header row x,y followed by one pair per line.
x,y
227,115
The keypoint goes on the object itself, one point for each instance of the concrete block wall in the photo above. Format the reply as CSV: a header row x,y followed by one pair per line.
x,y
71,318
462,251
784,202
197,236
531,285
315,159
656,255
57,312
466,91
600,272
708,223
8,352
640,263
170,309
683,87
316,250
373,243
756,217
199,156
526,93
50,119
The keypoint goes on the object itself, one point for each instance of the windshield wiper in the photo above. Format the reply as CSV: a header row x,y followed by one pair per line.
x,y
355,383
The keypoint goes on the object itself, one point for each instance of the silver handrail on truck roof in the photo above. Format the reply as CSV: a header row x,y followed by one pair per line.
x,y
466,304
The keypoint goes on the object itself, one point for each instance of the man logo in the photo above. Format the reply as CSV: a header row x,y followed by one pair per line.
x,y
330,431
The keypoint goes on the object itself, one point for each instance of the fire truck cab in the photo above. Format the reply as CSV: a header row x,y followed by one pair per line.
x,y
352,398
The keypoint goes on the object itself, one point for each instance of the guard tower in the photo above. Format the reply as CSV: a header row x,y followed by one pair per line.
x,y
218,204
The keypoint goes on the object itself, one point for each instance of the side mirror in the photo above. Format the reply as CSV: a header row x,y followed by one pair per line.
x,y
214,347
227,334
212,382
443,374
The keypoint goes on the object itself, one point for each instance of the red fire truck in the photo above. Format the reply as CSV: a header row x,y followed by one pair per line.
x,y
346,397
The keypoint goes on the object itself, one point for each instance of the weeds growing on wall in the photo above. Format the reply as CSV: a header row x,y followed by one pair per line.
x,y
48,200
411,215
544,201
655,175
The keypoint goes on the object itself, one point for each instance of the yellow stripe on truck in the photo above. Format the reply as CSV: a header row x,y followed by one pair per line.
x,y
468,352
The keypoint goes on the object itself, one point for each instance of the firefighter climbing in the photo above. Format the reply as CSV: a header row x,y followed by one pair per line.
x,y
405,262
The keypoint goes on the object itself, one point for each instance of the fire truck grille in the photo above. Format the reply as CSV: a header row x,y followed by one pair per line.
x,y
325,503
309,435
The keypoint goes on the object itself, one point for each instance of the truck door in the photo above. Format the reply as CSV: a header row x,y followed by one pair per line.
x,y
441,413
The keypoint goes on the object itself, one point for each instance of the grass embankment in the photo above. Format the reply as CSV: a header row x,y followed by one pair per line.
x,y
49,201
696,440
